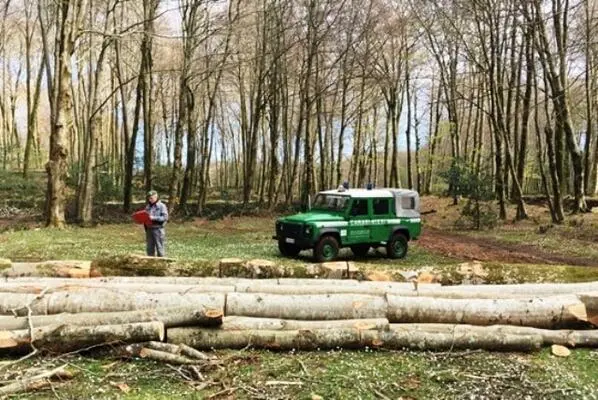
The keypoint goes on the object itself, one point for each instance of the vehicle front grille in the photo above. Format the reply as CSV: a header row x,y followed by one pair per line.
x,y
290,230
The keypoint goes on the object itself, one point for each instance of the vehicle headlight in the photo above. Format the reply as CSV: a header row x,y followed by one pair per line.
x,y
307,230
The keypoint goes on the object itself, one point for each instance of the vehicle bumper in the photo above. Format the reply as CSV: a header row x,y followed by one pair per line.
x,y
302,243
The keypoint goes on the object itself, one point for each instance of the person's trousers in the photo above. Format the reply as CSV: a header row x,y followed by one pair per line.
x,y
154,238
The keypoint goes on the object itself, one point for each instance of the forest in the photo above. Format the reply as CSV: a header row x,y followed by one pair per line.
x,y
268,101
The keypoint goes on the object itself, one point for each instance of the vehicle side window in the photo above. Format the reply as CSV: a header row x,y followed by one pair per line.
x,y
408,203
359,207
381,206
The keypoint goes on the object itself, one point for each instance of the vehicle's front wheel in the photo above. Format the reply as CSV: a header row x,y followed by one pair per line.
x,y
288,249
397,246
360,250
326,249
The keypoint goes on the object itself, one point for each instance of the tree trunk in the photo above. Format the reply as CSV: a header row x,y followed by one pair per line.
x,y
149,15
87,185
61,115
408,130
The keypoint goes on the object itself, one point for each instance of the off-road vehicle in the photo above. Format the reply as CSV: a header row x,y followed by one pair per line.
x,y
357,218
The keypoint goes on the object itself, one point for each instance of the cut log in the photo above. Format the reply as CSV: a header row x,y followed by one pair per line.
x,y
170,280
546,312
264,269
58,268
207,339
170,317
563,337
103,300
140,265
336,269
379,288
306,307
234,267
314,281
422,340
65,338
48,287
297,286
275,324
591,302
522,289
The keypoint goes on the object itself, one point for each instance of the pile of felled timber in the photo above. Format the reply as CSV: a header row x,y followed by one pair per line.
x,y
62,315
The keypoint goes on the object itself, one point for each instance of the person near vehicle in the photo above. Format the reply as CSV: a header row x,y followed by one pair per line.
x,y
155,234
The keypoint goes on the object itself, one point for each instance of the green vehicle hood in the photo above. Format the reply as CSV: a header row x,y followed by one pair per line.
x,y
313,216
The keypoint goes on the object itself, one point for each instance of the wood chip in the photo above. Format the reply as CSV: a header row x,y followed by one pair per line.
x,y
283,383
560,351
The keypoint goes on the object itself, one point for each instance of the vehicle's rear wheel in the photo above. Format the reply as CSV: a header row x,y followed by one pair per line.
x,y
397,246
288,249
326,249
360,250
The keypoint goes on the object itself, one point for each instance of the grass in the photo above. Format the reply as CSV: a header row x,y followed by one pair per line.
x,y
340,375
246,237
576,237
250,237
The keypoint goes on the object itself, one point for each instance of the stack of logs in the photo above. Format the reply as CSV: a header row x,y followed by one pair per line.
x,y
62,315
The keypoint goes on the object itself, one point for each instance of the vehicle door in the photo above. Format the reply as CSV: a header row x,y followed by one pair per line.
x,y
382,219
358,230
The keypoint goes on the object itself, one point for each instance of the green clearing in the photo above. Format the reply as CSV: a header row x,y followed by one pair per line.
x,y
249,237
330,375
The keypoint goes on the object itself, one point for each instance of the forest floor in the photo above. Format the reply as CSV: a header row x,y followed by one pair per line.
x,y
528,251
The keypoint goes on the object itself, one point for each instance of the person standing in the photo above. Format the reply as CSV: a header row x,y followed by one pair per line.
x,y
155,235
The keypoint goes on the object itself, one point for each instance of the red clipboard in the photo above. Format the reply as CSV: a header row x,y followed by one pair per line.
x,y
141,217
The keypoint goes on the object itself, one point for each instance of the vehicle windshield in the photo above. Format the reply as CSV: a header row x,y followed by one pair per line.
x,y
330,202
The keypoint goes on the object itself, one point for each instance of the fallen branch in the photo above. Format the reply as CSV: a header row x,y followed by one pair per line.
x,y
167,357
35,382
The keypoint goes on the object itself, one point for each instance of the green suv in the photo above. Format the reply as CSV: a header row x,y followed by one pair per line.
x,y
355,218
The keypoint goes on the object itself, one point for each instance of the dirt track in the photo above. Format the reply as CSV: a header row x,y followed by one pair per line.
x,y
451,244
